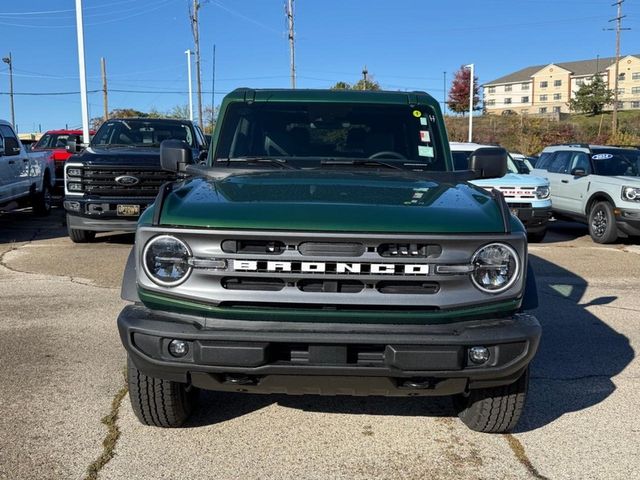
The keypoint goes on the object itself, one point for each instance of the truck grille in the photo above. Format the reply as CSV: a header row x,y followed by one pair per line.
x,y
101,181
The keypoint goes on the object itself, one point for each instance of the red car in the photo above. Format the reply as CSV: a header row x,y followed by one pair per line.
x,y
55,141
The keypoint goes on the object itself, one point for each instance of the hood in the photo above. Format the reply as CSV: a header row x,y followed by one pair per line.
x,y
140,156
332,201
513,180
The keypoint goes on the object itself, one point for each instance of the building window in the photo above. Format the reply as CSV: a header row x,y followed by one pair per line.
x,y
542,110
492,89
621,91
544,84
635,90
524,86
622,76
635,76
621,105
507,101
580,82
635,104
524,100
557,83
543,98
507,88
556,109
491,103
557,96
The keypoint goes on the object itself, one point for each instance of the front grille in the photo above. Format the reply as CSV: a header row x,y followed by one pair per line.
x,y
518,192
519,205
101,181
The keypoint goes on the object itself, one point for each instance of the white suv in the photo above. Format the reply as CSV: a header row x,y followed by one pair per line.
x,y
595,184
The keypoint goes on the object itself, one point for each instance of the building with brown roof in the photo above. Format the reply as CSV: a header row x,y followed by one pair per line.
x,y
547,89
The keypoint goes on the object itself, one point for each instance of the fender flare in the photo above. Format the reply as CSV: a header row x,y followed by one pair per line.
x,y
129,289
530,298
592,202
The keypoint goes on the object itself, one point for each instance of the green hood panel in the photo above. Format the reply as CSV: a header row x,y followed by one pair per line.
x,y
330,200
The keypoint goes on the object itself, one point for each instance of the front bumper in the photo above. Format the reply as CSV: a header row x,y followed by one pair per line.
x,y
628,221
100,214
314,358
534,218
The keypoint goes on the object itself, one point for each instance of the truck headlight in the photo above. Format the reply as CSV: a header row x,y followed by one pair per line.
x,y
74,187
165,260
631,193
542,192
495,267
74,172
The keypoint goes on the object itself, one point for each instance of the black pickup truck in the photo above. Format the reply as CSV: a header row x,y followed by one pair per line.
x,y
112,182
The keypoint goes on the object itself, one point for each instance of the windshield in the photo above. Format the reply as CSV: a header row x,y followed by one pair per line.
x,y
461,161
303,132
56,140
141,133
616,162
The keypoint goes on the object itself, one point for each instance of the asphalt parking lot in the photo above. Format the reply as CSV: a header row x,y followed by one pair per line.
x,y
65,412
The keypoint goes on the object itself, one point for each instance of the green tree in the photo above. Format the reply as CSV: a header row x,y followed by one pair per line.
x,y
370,84
592,98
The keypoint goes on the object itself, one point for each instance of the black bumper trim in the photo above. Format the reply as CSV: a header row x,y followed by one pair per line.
x,y
101,224
271,359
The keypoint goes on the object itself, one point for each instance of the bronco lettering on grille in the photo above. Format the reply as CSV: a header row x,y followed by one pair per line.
x,y
329,267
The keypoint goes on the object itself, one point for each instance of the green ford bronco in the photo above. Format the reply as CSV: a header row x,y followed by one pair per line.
x,y
327,246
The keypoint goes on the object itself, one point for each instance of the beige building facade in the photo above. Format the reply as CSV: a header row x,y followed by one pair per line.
x,y
547,89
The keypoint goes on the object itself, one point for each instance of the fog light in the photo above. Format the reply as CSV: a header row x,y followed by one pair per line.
x,y
178,348
479,354
72,206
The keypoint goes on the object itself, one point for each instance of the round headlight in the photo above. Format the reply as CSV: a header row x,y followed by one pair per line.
x,y
631,193
166,260
495,268
542,192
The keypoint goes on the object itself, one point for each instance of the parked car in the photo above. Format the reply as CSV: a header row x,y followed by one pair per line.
x,y
595,184
527,195
25,177
328,246
115,179
56,142
522,163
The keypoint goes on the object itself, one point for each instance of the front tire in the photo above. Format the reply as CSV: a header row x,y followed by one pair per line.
x,y
42,201
602,223
495,409
157,402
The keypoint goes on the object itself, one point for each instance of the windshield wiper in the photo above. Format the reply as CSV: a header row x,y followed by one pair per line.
x,y
361,163
281,162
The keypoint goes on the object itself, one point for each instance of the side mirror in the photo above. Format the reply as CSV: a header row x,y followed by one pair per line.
x,y
71,146
578,172
175,155
489,162
202,156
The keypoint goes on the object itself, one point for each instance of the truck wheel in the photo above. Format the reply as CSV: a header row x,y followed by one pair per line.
x,y
42,201
536,237
602,223
157,402
81,236
495,409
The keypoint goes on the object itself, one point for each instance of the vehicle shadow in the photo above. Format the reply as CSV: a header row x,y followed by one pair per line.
x,y
23,226
560,231
573,369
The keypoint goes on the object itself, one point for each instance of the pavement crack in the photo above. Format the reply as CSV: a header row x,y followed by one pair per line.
x,y
111,439
518,450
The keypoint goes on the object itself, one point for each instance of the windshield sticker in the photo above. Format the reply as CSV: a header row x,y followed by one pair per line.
x,y
425,151
423,121
602,156
424,136
417,113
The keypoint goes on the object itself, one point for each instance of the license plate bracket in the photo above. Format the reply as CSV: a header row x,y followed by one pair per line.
x,y
127,210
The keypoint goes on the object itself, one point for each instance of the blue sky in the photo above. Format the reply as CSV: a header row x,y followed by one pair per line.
x,y
405,44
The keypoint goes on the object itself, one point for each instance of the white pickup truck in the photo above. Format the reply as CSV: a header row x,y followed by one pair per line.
x,y
25,177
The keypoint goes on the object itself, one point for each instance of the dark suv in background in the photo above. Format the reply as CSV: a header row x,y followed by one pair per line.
x,y
112,182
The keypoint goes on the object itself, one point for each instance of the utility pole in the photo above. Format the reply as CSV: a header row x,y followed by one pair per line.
x,y
213,89
292,47
195,29
365,77
188,53
103,68
83,72
444,93
618,29
9,60
470,67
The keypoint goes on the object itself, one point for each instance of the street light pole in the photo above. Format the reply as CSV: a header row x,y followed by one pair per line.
x,y
83,72
470,67
9,60
188,53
